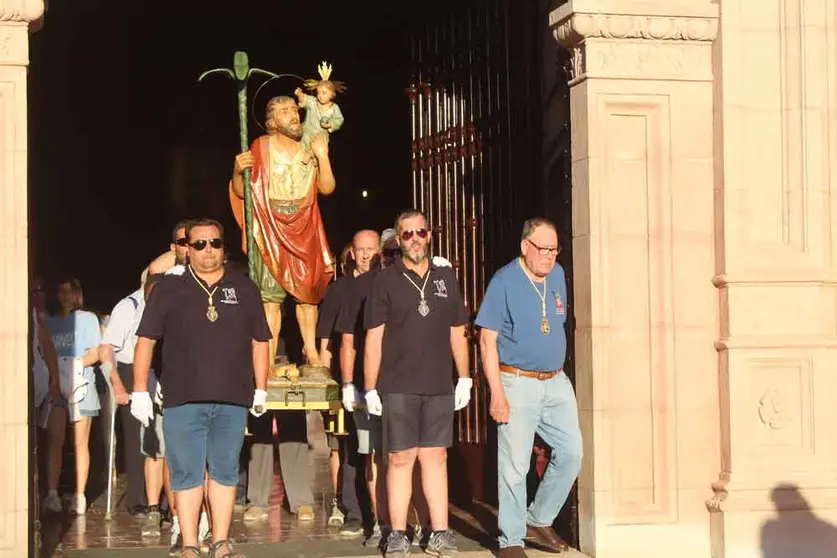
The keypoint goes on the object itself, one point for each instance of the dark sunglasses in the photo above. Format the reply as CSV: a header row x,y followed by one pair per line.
x,y
421,233
199,245
182,241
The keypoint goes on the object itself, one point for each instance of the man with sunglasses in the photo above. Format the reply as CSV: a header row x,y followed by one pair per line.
x,y
215,351
173,261
523,345
415,320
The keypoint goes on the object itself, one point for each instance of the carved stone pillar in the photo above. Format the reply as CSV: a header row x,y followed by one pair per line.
x,y
643,244
15,17
776,114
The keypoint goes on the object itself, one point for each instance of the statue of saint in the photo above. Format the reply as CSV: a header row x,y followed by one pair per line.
x,y
293,256
322,114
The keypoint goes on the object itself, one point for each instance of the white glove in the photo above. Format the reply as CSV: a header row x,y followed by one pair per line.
x,y
141,407
439,261
259,403
462,394
351,396
373,403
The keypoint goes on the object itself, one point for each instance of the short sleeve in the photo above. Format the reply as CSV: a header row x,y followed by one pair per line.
x,y
493,311
152,324
347,318
92,331
259,329
376,310
119,327
329,311
459,314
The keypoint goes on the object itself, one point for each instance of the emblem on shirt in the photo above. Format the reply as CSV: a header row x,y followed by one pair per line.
x,y
559,304
441,288
229,295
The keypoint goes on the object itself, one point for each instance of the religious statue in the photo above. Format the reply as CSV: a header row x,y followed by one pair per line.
x,y
322,114
291,254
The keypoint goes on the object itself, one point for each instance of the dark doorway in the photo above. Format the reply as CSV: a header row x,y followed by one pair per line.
x,y
491,148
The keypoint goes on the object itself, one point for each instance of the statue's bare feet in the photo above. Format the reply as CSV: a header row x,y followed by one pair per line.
x,y
312,356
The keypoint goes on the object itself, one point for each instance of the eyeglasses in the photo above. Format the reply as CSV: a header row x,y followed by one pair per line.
x,y
183,241
545,251
199,245
408,234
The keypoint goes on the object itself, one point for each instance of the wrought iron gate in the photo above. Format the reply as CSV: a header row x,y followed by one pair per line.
x,y
483,161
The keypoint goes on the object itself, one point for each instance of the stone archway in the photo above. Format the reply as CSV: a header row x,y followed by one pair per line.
x,y
17,18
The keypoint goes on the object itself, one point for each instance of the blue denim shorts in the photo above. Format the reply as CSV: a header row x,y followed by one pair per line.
x,y
201,436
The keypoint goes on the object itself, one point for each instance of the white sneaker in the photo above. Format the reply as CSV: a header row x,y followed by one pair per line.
x,y
78,505
52,502
337,516
203,527
176,544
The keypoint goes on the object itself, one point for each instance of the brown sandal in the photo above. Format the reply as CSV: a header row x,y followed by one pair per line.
x,y
188,551
223,545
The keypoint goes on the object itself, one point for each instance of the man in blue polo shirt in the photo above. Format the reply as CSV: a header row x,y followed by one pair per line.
x,y
523,345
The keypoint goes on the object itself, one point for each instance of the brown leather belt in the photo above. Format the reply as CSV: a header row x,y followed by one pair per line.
x,y
528,373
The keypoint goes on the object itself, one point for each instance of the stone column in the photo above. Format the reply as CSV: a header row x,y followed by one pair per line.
x,y
15,17
776,239
641,102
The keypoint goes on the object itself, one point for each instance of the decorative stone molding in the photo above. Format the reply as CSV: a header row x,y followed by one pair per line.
x,y
23,11
637,40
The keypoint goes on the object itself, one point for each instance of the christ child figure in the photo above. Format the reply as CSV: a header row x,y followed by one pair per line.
x,y
322,114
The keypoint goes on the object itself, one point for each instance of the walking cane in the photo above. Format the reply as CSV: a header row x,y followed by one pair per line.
x,y
112,440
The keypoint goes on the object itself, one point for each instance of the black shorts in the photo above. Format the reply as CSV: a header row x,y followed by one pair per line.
x,y
417,421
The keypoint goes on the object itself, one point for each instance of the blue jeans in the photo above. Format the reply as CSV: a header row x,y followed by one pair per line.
x,y
200,436
549,409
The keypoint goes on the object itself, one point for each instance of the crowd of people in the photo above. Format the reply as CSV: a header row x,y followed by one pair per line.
x,y
187,355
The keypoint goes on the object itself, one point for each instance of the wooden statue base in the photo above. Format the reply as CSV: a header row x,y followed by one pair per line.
x,y
306,388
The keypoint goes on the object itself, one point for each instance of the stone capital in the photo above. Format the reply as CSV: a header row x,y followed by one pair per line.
x,y
21,11
637,39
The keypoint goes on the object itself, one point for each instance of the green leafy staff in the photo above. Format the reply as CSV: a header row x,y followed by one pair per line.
x,y
241,73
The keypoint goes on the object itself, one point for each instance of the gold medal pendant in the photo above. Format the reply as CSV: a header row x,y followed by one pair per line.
x,y
211,313
545,326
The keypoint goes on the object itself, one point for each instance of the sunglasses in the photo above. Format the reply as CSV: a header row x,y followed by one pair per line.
x,y
182,241
199,245
421,233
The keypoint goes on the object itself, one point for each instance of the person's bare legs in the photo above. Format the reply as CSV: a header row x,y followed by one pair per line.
x,y
188,507
306,316
434,479
56,434
400,486
167,488
334,470
153,480
221,500
419,502
273,313
81,440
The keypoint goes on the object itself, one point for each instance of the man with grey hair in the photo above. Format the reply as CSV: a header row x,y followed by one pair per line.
x,y
523,345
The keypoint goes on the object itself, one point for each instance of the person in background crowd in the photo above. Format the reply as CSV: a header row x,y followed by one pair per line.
x,y
329,344
46,391
117,354
76,336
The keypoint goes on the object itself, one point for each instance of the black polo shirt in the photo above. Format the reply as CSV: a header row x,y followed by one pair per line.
x,y
329,309
351,317
203,360
416,356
